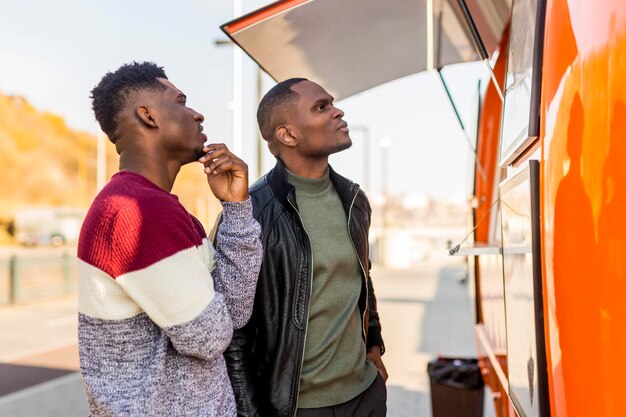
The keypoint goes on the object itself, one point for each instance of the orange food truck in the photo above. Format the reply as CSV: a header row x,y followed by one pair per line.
x,y
547,257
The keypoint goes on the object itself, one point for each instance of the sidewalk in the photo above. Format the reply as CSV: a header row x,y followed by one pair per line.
x,y
424,311
39,360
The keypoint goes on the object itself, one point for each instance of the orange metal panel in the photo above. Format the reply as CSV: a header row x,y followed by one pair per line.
x,y
493,367
584,205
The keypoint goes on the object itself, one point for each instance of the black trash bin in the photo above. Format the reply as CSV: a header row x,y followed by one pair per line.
x,y
456,387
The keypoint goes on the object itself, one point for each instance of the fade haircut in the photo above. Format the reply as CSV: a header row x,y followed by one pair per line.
x,y
116,89
274,103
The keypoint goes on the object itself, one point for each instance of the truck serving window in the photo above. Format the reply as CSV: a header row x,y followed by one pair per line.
x,y
520,121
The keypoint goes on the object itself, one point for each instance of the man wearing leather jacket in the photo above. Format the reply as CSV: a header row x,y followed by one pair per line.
x,y
313,345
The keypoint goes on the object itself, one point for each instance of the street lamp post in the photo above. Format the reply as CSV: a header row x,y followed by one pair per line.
x,y
236,105
237,90
385,143
366,154
101,162
259,139
237,109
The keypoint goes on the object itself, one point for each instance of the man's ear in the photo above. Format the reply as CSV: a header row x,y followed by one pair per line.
x,y
145,116
285,136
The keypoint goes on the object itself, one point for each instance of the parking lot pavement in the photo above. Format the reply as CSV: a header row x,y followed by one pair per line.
x,y
32,328
39,360
425,312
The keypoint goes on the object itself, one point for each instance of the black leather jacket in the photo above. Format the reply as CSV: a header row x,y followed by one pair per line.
x,y
265,357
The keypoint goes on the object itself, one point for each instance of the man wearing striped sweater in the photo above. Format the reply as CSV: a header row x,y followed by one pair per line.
x,y
157,303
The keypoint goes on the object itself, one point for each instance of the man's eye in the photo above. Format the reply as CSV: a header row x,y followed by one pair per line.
x,y
320,107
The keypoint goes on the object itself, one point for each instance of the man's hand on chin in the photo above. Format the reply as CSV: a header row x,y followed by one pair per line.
x,y
226,173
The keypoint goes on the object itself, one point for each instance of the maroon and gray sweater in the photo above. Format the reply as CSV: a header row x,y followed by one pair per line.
x,y
158,304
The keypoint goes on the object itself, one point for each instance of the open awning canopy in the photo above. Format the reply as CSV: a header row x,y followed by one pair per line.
x,y
349,46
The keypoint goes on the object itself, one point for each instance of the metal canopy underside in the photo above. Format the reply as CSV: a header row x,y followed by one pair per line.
x,y
349,46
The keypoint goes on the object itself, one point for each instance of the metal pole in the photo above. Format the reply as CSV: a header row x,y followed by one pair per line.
x,y
14,279
384,144
478,43
237,90
260,140
82,171
384,241
430,35
366,156
385,186
101,158
67,273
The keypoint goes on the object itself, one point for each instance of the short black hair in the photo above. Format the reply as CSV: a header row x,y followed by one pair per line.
x,y
112,93
275,100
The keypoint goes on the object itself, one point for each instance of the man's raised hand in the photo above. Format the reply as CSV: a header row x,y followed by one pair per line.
x,y
226,173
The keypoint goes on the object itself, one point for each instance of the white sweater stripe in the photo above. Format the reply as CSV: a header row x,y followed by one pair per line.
x,y
159,290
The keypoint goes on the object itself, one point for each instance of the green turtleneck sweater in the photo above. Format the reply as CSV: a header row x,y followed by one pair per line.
x,y
334,369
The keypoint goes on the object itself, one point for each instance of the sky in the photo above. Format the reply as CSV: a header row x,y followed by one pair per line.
x,y
53,53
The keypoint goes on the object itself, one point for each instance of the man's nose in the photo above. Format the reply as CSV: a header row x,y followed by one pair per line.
x,y
198,116
339,113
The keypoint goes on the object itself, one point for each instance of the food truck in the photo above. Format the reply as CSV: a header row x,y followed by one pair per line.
x,y
547,255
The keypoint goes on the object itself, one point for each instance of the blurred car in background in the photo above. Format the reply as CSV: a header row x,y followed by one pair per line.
x,y
54,226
